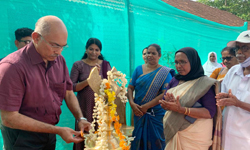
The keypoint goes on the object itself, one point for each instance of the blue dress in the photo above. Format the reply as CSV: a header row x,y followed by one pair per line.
x,y
148,129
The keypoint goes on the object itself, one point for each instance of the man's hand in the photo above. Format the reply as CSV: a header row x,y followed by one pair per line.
x,y
84,125
221,95
224,99
70,135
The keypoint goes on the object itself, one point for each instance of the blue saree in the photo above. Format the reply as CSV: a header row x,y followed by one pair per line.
x,y
148,129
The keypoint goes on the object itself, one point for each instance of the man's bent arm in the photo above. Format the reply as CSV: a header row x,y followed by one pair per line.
x,y
73,104
15,120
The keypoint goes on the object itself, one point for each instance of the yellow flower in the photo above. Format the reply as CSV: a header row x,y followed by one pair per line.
x,y
111,95
105,110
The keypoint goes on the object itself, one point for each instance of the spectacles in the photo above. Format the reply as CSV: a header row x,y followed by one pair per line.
x,y
25,41
182,63
244,48
228,58
54,45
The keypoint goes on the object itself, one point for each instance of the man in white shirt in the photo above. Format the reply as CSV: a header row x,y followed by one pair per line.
x,y
235,95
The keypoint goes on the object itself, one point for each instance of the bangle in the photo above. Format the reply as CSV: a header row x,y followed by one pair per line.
x,y
82,118
188,111
185,110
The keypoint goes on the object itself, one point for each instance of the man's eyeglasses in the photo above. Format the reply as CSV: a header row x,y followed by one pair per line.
x,y
243,48
182,63
228,58
54,45
25,41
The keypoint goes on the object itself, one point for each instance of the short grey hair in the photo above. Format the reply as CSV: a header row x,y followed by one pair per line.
x,y
42,26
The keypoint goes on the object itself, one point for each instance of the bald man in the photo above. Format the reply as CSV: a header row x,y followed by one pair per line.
x,y
34,81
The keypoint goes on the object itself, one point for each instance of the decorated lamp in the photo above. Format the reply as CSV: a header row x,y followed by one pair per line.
x,y
108,135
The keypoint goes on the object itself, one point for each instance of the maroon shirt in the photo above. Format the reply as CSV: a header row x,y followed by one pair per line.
x,y
27,86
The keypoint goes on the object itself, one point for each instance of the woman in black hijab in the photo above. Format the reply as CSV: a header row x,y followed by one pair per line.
x,y
195,63
190,104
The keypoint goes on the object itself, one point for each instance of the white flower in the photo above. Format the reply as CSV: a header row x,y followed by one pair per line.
x,y
100,114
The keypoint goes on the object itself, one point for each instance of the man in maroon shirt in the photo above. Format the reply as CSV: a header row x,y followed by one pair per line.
x,y
33,83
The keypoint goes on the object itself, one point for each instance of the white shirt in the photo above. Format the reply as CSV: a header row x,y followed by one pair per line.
x,y
236,121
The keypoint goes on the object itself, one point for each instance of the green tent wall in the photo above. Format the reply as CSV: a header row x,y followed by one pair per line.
x,y
124,27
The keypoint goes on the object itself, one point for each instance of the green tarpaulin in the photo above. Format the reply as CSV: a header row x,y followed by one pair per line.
x,y
124,27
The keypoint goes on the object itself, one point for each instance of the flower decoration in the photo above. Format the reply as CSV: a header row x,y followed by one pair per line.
x,y
104,114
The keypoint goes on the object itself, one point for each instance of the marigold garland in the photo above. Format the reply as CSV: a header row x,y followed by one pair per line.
x,y
105,112
123,144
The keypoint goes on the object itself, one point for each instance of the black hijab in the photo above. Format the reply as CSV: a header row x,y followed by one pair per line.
x,y
195,63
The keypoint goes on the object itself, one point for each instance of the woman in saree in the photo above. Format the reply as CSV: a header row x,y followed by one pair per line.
x,y
190,104
149,82
229,60
80,72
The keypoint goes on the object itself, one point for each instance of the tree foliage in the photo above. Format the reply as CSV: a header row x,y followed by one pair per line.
x,y
239,8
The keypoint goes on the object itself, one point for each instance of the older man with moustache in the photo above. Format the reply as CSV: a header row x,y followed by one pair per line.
x,y
33,83
236,97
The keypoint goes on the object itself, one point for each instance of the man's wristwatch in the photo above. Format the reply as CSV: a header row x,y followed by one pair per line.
x,y
82,118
